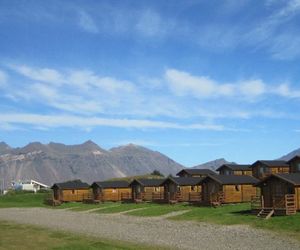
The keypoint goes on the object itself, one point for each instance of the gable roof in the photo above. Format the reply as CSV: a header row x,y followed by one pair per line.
x,y
148,182
272,163
111,184
293,178
232,179
184,181
294,158
196,171
74,184
235,167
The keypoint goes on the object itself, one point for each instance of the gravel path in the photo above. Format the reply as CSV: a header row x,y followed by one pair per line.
x,y
154,232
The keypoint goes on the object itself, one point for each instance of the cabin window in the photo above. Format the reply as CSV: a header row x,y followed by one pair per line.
x,y
237,188
291,190
156,189
73,191
193,188
227,172
178,188
114,190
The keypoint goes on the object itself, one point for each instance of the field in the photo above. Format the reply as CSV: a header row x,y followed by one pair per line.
x,y
225,215
15,236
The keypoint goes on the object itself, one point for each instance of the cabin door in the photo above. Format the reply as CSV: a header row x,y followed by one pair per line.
x,y
267,195
137,191
56,194
96,192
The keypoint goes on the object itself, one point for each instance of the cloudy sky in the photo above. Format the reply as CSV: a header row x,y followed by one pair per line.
x,y
196,80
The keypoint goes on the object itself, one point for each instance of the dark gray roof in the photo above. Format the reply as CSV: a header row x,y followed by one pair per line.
x,y
111,184
199,171
184,181
272,163
293,178
74,184
233,179
235,167
148,182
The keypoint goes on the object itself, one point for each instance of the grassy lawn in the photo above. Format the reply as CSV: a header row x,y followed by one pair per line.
x,y
240,214
16,236
125,207
227,214
160,210
22,200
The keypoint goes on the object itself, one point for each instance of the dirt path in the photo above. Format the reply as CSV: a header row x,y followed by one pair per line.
x,y
160,232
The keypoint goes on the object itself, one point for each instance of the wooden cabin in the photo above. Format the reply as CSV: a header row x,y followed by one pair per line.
x,y
193,172
147,190
235,169
75,190
263,168
219,189
294,164
111,190
178,189
280,194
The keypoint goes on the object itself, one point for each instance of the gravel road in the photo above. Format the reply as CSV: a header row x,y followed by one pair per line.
x,y
156,231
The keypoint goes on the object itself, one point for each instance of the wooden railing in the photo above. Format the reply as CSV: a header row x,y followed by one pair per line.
x,y
158,196
195,197
126,196
290,204
217,197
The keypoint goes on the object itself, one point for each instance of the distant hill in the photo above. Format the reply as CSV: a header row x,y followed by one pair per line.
x,y
54,162
213,165
290,155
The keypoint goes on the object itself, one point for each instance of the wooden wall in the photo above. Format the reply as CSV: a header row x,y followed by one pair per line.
x,y
236,172
238,193
114,194
294,166
74,195
273,170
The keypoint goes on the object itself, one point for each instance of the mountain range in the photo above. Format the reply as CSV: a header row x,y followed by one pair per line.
x,y
56,162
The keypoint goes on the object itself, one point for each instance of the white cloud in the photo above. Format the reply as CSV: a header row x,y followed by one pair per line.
x,y
87,23
202,87
39,74
52,121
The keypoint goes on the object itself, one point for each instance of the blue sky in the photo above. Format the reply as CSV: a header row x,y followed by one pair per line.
x,y
196,80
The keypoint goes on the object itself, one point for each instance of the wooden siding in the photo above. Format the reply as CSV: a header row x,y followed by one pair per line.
x,y
268,171
227,171
180,193
147,193
295,166
71,195
275,188
232,193
115,194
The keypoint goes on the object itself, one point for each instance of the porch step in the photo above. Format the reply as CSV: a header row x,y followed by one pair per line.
x,y
266,213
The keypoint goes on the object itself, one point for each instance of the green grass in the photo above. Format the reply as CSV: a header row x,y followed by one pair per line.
x,y
125,207
227,214
17,236
240,214
22,200
159,210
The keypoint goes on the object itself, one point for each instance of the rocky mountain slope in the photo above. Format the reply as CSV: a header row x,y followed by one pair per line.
x,y
213,165
54,162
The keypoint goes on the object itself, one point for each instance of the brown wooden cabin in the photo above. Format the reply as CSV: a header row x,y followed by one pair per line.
x,y
280,193
219,189
147,190
294,164
262,168
178,189
75,190
234,169
193,172
111,190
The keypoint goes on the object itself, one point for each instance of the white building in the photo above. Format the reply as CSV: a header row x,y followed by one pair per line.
x,y
29,185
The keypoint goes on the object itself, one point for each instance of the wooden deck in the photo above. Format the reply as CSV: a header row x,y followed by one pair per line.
x,y
281,205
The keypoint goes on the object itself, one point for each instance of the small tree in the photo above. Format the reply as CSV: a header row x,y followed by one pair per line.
x,y
156,172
